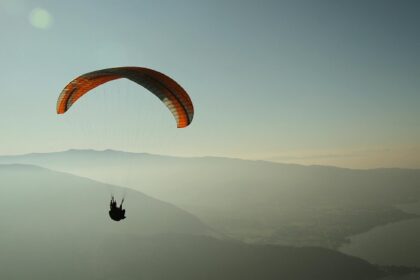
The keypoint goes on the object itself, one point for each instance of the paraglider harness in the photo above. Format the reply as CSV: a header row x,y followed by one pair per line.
x,y
116,212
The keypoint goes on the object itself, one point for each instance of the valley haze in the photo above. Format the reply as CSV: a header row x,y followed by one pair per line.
x,y
58,228
253,201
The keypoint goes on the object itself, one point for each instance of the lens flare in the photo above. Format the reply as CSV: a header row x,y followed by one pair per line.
x,y
40,18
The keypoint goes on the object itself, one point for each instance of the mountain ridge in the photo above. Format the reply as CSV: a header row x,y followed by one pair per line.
x,y
94,151
255,201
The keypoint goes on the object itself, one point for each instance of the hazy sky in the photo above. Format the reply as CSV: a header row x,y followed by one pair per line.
x,y
313,82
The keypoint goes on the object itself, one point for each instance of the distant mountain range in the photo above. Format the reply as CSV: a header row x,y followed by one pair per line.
x,y
255,201
55,226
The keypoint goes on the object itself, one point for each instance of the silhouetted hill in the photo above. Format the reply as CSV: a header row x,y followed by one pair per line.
x,y
37,199
255,201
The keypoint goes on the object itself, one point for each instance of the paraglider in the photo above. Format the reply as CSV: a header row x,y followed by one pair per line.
x,y
117,213
175,98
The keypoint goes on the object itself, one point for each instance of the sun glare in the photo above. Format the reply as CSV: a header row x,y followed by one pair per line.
x,y
40,18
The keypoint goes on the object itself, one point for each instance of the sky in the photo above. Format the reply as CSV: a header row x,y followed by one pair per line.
x,y
308,82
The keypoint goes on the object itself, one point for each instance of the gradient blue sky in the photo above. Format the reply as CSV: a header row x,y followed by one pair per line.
x,y
312,82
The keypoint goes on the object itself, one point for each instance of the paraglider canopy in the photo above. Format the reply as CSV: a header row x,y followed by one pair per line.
x,y
166,89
